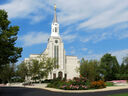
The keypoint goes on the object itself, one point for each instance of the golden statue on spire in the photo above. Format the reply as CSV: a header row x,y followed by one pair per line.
x,y
55,6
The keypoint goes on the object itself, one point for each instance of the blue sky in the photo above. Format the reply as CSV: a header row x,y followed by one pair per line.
x,y
89,28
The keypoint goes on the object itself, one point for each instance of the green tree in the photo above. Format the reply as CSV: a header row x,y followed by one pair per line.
x,y
47,65
36,69
8,35
90,69
125,62
123,69
7,73
109,67
22,70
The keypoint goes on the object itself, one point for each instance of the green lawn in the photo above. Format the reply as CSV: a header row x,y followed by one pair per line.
x,y
124,94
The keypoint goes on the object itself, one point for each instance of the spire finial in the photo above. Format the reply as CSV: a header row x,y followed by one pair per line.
x,y
55,17
54,6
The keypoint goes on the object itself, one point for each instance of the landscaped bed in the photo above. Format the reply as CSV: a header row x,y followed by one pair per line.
x,y
81,83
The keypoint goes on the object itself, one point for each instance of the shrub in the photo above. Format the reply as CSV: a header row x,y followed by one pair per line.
x,y
75,84
97,84
47,81
56,83
74,87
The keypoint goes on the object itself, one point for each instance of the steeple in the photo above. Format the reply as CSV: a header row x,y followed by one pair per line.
x,y
55,25
55,16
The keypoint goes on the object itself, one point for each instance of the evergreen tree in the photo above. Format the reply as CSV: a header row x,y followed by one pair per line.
x,y
8,35
109,67
125,62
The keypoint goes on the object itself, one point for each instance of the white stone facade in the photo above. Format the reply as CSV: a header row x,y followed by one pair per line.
x,y
55,49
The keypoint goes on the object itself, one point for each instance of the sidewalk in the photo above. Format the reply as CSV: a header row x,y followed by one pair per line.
x,y
43,86
80,91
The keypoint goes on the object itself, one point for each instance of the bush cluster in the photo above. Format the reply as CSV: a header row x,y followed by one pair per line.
x,y
98,84
75,84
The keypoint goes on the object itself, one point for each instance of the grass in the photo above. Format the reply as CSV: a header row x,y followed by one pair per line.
x,y
109,84
124,94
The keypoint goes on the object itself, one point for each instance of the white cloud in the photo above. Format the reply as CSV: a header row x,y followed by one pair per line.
x,y
108,18
95,14
96,37
119,54
84,49
69,38
36,19
84,13
66,36
25,9
99,13
124,35
90,14
33,38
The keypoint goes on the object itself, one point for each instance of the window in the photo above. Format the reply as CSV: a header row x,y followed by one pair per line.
x,y
56,54
55,29
56,41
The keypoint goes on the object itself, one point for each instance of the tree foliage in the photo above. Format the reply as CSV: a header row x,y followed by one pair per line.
x,y
22,70
37,69
8,35
109,67
123,74
90,69
106,69
7,73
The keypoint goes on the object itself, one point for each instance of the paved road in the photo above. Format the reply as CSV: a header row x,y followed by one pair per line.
x,y
20,91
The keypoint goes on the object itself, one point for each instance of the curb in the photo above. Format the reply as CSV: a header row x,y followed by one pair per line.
x,y
81,91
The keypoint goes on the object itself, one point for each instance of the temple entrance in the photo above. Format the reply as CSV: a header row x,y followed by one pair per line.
x,y
65,76
60,75
54,75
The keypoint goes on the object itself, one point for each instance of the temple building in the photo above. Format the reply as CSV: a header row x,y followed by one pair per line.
x,y
55,49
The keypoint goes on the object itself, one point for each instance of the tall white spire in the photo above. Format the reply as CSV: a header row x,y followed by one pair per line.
x,y
55,25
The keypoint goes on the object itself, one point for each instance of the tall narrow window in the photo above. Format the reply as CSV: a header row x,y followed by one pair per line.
x,y
56,54
55,29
